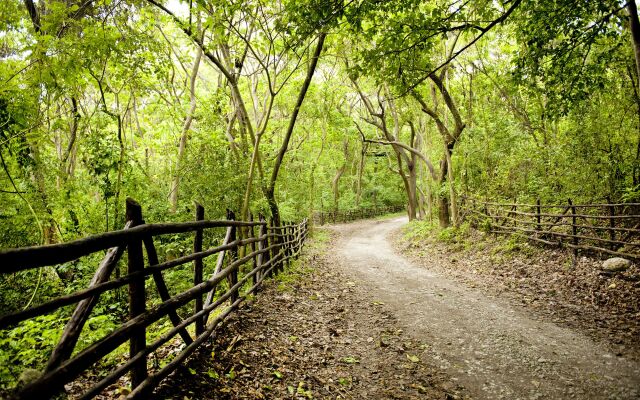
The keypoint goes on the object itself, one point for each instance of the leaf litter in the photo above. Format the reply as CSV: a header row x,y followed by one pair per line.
x,y
323,337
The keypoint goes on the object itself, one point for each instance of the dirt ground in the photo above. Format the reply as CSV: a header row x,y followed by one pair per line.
x,y
312,333
494,348
549,283
359,321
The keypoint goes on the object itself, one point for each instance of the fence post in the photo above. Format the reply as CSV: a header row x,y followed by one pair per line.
x,y
268,243
135,263
612,223
287,245
161,285
277,243
298,236
538,218
255,279
294,237
489,218
197,269
574,228
259,258
233,256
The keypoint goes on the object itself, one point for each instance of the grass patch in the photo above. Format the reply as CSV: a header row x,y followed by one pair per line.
x,y
298,271
301,268
423,231
512,244
389,216
319,239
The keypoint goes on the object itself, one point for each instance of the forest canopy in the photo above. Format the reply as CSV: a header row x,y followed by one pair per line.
x,y
288,107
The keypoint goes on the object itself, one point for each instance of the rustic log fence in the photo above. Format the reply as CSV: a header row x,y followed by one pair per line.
x,y
324,217
249,259
610,228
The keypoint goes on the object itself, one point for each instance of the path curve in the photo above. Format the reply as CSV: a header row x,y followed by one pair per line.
x,y
493,349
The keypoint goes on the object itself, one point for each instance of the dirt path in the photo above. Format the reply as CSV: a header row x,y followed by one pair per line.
x,y
311,333
493,349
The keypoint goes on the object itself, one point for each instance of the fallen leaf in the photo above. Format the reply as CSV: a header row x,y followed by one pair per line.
x,y
413,358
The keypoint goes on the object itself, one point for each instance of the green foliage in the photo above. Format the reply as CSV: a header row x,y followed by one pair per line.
x,y
417,231
569,61
424,231
94,104
27,346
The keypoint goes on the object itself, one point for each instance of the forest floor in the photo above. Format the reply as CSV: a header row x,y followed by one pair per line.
x,y
549,283
311,333
492,344
357,320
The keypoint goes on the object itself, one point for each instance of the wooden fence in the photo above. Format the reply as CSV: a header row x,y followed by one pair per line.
x,y
611,229
263,252
324,217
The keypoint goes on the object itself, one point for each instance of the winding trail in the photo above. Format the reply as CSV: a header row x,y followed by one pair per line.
x,y
492,348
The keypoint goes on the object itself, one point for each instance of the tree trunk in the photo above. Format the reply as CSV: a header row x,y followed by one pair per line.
x,y
335,186
116,201
255,163
175,184
270,191
312,171
443,211
634,25
335,183
443,201
452,189
421,202
363,154
67,157
413,194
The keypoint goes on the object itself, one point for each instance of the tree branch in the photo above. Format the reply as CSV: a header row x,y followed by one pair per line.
x,y
484,30
404,146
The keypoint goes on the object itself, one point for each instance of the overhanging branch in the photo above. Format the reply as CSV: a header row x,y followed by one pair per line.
x,y
404,146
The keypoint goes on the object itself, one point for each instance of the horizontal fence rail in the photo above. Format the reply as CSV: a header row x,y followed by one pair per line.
x,y
249,252
612,229
325,217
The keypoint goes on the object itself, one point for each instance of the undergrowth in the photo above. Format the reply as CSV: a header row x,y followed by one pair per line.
x,y
301,268
27,346
420,231
464,237
390,216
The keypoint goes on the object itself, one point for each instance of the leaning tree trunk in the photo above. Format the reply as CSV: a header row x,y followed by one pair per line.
x,y
270,191
408,187
412,193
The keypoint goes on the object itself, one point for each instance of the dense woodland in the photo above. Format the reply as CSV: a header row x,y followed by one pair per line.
x,y
288,107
